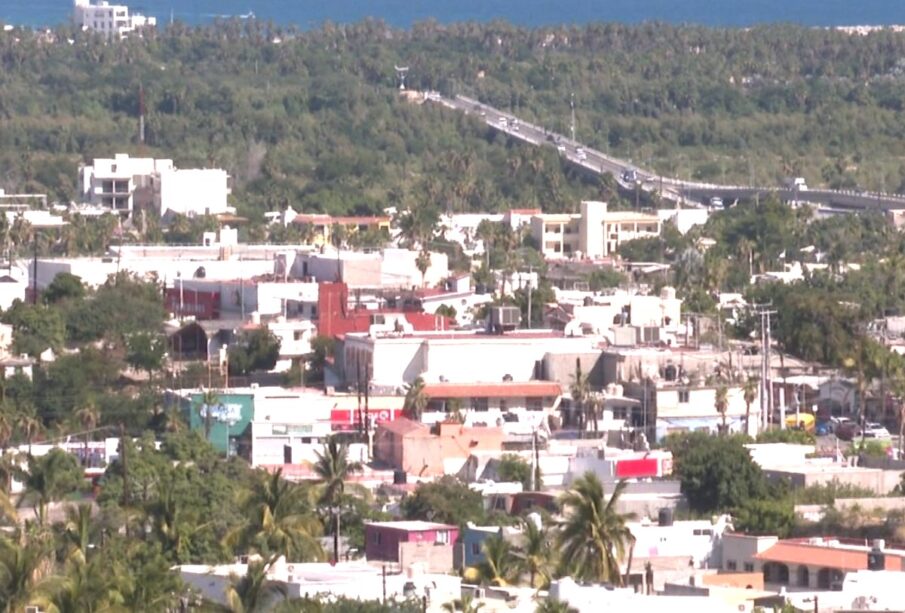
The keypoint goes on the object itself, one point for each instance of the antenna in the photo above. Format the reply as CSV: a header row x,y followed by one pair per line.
x,y
401,71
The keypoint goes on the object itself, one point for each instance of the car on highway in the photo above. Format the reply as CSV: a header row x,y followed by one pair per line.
x,y
629,176
875,430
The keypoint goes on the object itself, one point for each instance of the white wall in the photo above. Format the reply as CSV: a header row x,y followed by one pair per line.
x,y
196,191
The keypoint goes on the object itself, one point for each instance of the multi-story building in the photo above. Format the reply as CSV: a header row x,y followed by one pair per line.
x,y
124,185
109,19
323,226
594,233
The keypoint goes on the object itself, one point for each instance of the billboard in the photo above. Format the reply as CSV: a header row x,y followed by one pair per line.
x,y
347,419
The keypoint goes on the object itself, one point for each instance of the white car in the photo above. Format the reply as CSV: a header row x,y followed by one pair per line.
x,y
872,430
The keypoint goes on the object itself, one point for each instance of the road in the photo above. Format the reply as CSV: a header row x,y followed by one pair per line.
x,y
630,176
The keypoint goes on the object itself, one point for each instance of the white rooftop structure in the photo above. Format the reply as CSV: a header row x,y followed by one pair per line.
x,y
352,580
109,19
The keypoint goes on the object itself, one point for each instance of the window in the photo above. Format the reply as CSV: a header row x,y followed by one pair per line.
x,y
749,567
620,413
376,538
731,565
683,396
534,404
297,335
442,537
479,404
475,549
504,405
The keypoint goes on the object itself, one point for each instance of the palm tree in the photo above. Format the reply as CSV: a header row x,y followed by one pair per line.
x,y
254,592
465,604
333,468
78,531
279,519
500,566
551,605
209,399
749,392
84,588
534,553
50,478
423,262
721,403
593,537
29,426
87,416
21,570
580,389
415,400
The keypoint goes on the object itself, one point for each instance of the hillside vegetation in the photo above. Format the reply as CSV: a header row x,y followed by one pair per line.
x,y
314,119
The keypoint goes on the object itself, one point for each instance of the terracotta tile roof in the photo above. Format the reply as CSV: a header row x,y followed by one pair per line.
x,y
843,558
525,211
526,389
405,427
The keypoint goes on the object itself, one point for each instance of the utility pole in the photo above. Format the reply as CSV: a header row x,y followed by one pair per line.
x,y
766,404
572,125
530,272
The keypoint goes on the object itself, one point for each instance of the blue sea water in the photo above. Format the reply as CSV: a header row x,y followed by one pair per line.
x,y
310,13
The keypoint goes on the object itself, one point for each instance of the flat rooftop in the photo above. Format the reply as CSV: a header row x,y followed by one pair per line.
x,y
411,525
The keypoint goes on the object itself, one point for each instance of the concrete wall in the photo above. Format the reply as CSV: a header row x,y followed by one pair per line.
x,y
560,367
194,191
741,549
879,481
436,558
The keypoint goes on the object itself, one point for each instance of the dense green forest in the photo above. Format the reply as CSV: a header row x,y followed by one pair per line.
x,y
313,119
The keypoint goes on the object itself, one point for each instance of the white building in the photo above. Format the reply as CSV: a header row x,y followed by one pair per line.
x,y
684,219
125,185
109,19
595,233
352,580
194,191
601,313
456,357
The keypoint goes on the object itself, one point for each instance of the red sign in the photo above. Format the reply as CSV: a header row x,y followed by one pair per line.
x,y
642,467
347,419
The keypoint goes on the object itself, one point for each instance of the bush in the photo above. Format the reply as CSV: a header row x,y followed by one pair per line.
x,y
789,435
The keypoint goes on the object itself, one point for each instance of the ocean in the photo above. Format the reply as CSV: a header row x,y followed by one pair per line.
x,y
311,13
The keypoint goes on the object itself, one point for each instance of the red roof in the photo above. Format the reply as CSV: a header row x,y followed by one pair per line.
x,y
526,389
525,211
794,552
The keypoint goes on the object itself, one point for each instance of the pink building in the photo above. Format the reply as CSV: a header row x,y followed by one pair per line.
x,y
406,542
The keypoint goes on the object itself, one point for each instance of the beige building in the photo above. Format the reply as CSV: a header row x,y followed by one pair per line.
x,y
594,233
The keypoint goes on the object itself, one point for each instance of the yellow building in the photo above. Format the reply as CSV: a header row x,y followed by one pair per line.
x,y
322,225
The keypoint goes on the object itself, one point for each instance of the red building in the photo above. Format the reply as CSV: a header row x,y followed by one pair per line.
x,y
335,318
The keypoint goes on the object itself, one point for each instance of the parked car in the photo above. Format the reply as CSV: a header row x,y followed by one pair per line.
x,y
874,430
846,429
